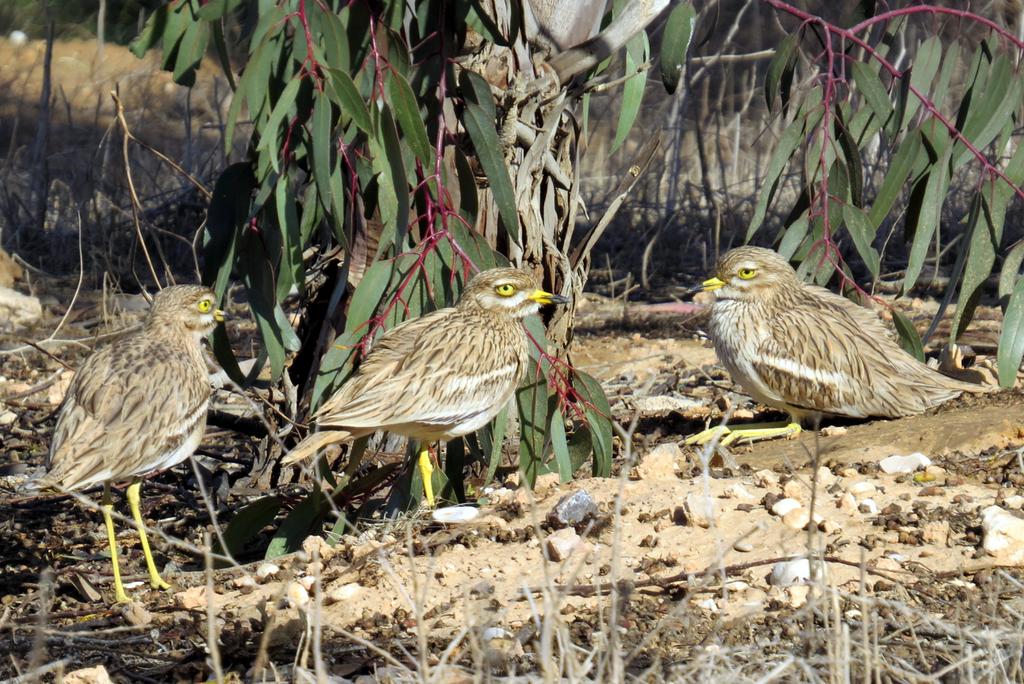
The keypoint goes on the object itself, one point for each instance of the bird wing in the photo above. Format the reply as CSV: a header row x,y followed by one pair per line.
x,y
128,408
826,354
428,372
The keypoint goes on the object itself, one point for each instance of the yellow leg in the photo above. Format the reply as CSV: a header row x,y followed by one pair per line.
x,y
748,433
106,506
426,472
133,502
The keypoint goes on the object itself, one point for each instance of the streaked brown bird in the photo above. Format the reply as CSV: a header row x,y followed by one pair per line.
x,y
807,351
439,376
135,407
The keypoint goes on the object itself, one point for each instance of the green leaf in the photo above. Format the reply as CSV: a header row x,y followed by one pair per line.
x,y
559,444
929,215
497,441
784,150
322,149
632,90
480,120
215,9
190,53
407,113
926,64
860,230
899,169
991,112
598,414
395,233
299,524
870,86
291,270
247,523
794,236
271,130
909,339
532,402
344,93
780,71
1010,271
1011,338
675,42
153,31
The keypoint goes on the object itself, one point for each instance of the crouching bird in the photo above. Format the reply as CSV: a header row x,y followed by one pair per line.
x,y
808,351
439,376
135,407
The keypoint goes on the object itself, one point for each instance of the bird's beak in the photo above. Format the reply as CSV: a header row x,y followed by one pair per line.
x,y
218,315
542,297
707,286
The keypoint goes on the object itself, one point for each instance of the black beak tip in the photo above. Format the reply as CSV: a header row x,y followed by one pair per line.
x,y
693,291
560,299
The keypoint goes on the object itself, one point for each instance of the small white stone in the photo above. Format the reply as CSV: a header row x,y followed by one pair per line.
x,y
797,518
766,478
307,582
7,417
343,593
708,604
1014,501
244,582
861,488
562,544
868,507
794,571
784,506
266,570
1004,535
700,509
825,477
743,545
19,38
847,502
495,633
737,491
904,464
297,595
451,515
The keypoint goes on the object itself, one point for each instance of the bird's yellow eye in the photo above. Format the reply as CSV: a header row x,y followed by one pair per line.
x,y
205,305
747,273
506,289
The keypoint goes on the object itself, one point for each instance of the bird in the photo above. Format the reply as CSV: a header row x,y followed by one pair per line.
x,y
135,407
809,352
439,376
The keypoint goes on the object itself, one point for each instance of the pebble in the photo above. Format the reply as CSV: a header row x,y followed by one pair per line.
x,y
343,593
660,464
737,491
573,509
797,595
861,488
297,595
7,417
563,543
1004,535
868,507
847,502
245,583
904,464
266,570
798,518
825,477
313,545
88,675
743,545
1014,501
195,598
700,510
766,479
784,506
793,571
